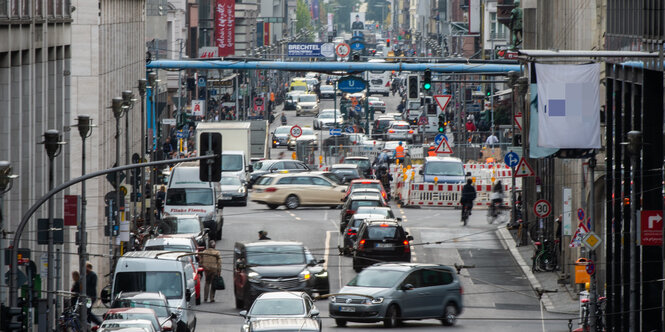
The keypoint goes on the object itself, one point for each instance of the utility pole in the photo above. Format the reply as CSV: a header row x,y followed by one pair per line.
x,y
152,82
6,182
128,103
634,148
179,111
593,296
142,89
117,106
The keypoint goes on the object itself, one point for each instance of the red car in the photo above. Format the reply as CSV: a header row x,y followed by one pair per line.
x,y
365,183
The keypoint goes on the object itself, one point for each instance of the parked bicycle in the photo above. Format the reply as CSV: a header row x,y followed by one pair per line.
x,y
69,320
600,315
545,256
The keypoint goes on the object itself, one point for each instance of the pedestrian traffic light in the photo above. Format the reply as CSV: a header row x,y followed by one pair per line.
x,y
427,80
210,170
11,318
442,122
413,87
388,42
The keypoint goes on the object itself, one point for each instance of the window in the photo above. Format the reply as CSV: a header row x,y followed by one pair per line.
x,y
189,196
497,30
306,180
376,278
169,283
321,182
436,277
232,162
287,180
414,278
275,255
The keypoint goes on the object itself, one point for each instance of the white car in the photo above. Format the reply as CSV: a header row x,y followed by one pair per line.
x,y
307,104
327,91
307,134
377,104
400,131
327,119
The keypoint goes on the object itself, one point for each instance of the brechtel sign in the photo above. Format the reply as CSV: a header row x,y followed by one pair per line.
x,y
311,49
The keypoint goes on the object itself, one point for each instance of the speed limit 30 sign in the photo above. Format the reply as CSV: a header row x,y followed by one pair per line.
x,y
542,208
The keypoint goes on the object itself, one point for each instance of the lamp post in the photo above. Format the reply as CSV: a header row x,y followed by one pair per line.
x,y
128,103
6,182
152,82
142,89
634,150
85,130
52,144
118,108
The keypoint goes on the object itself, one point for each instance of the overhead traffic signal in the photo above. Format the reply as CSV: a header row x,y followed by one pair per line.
x,y
210,170
427,80
442,122
388,42
413,87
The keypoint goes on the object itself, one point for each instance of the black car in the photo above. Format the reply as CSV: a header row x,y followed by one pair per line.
x,y
381,241
354,202
263,167
364,164
348,172
269,266
362,214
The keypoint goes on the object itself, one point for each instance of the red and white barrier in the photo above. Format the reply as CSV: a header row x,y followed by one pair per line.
x,y
431,194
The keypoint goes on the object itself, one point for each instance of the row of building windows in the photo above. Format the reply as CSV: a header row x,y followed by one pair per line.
x,y
25,8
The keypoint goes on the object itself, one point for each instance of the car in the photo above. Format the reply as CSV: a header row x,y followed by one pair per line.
x,y
170,243
116,324
307,134
394,292
365,183
377,104
291,100
184,225
154,301
133,313
348,172
327,91
307,104
269,266
364,165
234,191
378,241
268,166
297,189
390,147
285,325
355,201
363,212
280,136
399,130
381,124
363,140
327,118
321,283
280,305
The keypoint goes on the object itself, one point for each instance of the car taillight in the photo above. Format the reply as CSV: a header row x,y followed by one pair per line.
x,y
410,131
350,232
350,211
407,248
270,190
361,244
383,193
391,131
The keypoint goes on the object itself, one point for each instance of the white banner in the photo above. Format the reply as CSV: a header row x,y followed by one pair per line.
x,y
569,106
198,107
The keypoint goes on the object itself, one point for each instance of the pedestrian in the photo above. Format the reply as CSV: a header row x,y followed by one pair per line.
x,y
263,235
91,291
491,140
161,196
76,288
399,153
211,261
168,148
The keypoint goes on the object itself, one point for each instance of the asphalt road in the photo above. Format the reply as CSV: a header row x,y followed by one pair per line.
x,y
497,296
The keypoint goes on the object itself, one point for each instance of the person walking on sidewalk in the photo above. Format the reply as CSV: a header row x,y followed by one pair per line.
x,y
211,261
91,291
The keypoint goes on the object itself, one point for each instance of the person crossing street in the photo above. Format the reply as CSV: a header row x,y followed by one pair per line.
x,y
211,261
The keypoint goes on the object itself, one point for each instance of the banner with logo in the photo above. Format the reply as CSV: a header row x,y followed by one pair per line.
x,y
569,106
225,12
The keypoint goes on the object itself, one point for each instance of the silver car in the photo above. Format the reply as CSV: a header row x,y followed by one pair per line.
x,y
393,292
327,119
280,136
280,305
399,131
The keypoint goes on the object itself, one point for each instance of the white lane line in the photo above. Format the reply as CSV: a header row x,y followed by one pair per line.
x,y
297,218
326,251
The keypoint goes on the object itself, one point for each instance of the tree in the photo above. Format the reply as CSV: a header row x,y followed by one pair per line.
x,y
304,22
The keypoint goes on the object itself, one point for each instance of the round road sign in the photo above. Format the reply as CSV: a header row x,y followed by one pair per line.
x,y
296,131
542,208
342,49
580,214
590,268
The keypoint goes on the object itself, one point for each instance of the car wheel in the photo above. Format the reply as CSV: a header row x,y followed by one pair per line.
x,y
273,206
340,322
292,202
449,315
392,317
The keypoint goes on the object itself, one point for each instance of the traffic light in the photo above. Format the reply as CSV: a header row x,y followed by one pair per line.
x,y
355,57
211,169
442,122
388,42
413,87
427,80
7,321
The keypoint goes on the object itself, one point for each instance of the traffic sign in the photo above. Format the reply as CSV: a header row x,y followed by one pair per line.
x,y
335,132
442,100
342,50
443,147
523,169
511,159
358,46
296,131
258,104
542,208
358,108
651,227
518,120
179,134
422,120
350,129
591,240
590,267
201,82
579,235
438,138
580,214
351,84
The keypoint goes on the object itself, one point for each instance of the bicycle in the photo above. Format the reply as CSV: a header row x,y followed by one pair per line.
x,y
496,213
466,211
69,320
600,314
545,256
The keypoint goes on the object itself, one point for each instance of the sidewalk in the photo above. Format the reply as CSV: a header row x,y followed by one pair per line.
x,y
564,300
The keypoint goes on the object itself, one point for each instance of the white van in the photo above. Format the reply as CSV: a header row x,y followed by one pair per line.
x,y
233,165
445,169
186,194
158,271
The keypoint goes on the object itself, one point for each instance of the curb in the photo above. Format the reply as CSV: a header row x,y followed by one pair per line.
x,y
511,245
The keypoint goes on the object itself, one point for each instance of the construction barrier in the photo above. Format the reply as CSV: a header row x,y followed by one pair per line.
x,y
432,194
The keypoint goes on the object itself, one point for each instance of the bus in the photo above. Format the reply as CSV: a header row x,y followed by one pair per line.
x,y
379,81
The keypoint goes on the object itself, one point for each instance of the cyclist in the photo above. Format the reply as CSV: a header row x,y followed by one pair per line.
x,y
497,196
468,195
283,119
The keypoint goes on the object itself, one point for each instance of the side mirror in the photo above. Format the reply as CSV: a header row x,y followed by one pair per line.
x,y
315,312
410,238
311,263
243,313
398,219
173,315
249,168
105,295
407,287
188,295
220,204
200,269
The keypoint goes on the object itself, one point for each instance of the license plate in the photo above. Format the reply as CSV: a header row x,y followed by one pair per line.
x,y
347,309
226,198
384,245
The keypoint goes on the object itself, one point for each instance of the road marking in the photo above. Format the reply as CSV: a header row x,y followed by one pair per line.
x,y
297,218
326,251
413,248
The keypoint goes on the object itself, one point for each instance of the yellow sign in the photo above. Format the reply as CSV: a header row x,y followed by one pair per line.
x,y
591,240
123,190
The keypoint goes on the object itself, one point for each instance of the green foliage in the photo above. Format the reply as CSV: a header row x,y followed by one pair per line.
x,y
304,23
375,12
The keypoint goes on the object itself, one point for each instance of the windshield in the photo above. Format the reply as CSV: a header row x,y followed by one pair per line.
x,y
356,204
189,196
346,171
382,232
365,185
362,163
375,210
282,130
168,282
180,226
326,116
277,307
307,131
307,98
444,168
376,278
231,162
230,181
275,255
168,247
159,306
401,126
327,88
299,87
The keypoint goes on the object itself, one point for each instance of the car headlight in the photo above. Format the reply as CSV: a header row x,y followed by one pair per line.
x,y
254,277
305,275
241,190
322,274
332,298
245,327
377,300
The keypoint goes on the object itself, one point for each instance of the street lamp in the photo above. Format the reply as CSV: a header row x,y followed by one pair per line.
x,y
142,89
6,182
128,103
53,146
84,126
